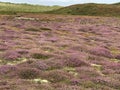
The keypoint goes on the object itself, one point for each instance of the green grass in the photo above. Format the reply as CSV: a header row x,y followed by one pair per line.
x,y
90,9
11,8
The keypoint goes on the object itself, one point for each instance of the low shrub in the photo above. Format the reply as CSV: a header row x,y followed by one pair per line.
x,y
55,76
11,55
28,73
75,62
40,56
101,52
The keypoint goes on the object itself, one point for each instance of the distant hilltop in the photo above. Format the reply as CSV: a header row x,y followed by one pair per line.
x,y
89,9
116,3
12,8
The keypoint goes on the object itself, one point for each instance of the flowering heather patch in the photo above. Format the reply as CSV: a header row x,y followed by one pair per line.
x,y
5,69
69,87
73,61
59,52
41,65
101,52
3,47
54,64
75,81
11,55
22,51
107,81
111,68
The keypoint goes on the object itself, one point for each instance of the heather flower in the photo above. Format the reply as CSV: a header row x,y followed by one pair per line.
x,y
22,51
11,55
107,82
41,65
54,64
75,81
101,52
3,47
6,69
75,62
70,87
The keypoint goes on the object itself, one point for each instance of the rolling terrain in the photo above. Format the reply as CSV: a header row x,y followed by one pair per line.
x,y
11,8
59,52
90,9
76,51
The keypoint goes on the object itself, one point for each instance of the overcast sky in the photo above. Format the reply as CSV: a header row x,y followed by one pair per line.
x,y
60,2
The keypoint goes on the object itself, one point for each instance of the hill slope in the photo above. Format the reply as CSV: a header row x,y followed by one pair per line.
x,y
117,3
11,8
90,9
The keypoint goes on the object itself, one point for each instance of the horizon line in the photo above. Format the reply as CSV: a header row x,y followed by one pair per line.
x,y
55,4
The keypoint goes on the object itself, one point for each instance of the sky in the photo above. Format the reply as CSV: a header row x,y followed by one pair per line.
x,y
60,2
